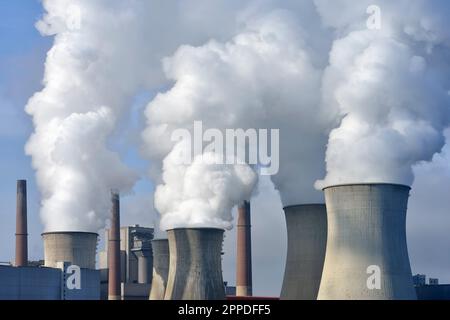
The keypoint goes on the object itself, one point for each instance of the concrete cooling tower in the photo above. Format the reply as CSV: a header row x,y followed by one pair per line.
x,y
160,249
78,248
195,268
367,255
307,240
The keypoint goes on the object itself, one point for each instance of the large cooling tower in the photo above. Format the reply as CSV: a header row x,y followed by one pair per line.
x,y
367,255
307,240
195,268
160,248
78,248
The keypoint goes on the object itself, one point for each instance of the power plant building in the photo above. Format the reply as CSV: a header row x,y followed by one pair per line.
x,y
42,283
136,263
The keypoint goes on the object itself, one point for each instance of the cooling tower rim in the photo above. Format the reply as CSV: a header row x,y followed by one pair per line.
x,y
403,186
303,205
69,232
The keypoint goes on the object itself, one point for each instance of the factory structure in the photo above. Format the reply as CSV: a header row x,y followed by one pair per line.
x,y
352,247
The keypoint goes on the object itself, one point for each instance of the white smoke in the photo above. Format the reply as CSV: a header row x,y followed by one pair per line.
x,y
202,193
390,87
267,76
236,64
105,52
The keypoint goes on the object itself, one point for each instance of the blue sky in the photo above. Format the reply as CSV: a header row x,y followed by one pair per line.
x,y
22,56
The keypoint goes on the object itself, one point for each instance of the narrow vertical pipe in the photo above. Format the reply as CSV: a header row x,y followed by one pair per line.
x,y
21,225
244,251
114,290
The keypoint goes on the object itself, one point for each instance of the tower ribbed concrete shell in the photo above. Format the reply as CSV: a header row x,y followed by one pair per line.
x,y
160,249
78,248
307,239
195,267
367,255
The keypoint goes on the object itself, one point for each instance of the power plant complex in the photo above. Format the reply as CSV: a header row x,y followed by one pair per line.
x,y
352,247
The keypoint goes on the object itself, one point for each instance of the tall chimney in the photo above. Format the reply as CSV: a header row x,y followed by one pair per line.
x,y
21,225
244,252
195,266
160,248
367,256
307,239
114,290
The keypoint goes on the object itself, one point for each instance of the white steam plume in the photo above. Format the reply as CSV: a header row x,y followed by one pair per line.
x,y
203,193
267,76
104,53
391,87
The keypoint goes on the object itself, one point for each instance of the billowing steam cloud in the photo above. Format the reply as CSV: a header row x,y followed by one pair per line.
x,y
391,86
297,66
265,77
202,193
105,52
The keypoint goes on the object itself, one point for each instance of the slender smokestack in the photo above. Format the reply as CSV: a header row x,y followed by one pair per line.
x,y
160,248
114,290
367,255
195,269
21,225
307,240
244,251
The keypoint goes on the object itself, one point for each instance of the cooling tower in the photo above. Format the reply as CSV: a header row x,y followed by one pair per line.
x,y
114,290
244,251
195,267
160,249
21,225
367,255
307,240
78,248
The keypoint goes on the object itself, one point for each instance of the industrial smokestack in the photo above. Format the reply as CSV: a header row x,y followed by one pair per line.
x,y
244,251
114,290
195,267
367,255
21,225
307,240
77,248
160,248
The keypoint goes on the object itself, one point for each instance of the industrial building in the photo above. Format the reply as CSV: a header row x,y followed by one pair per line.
x,y
136,263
